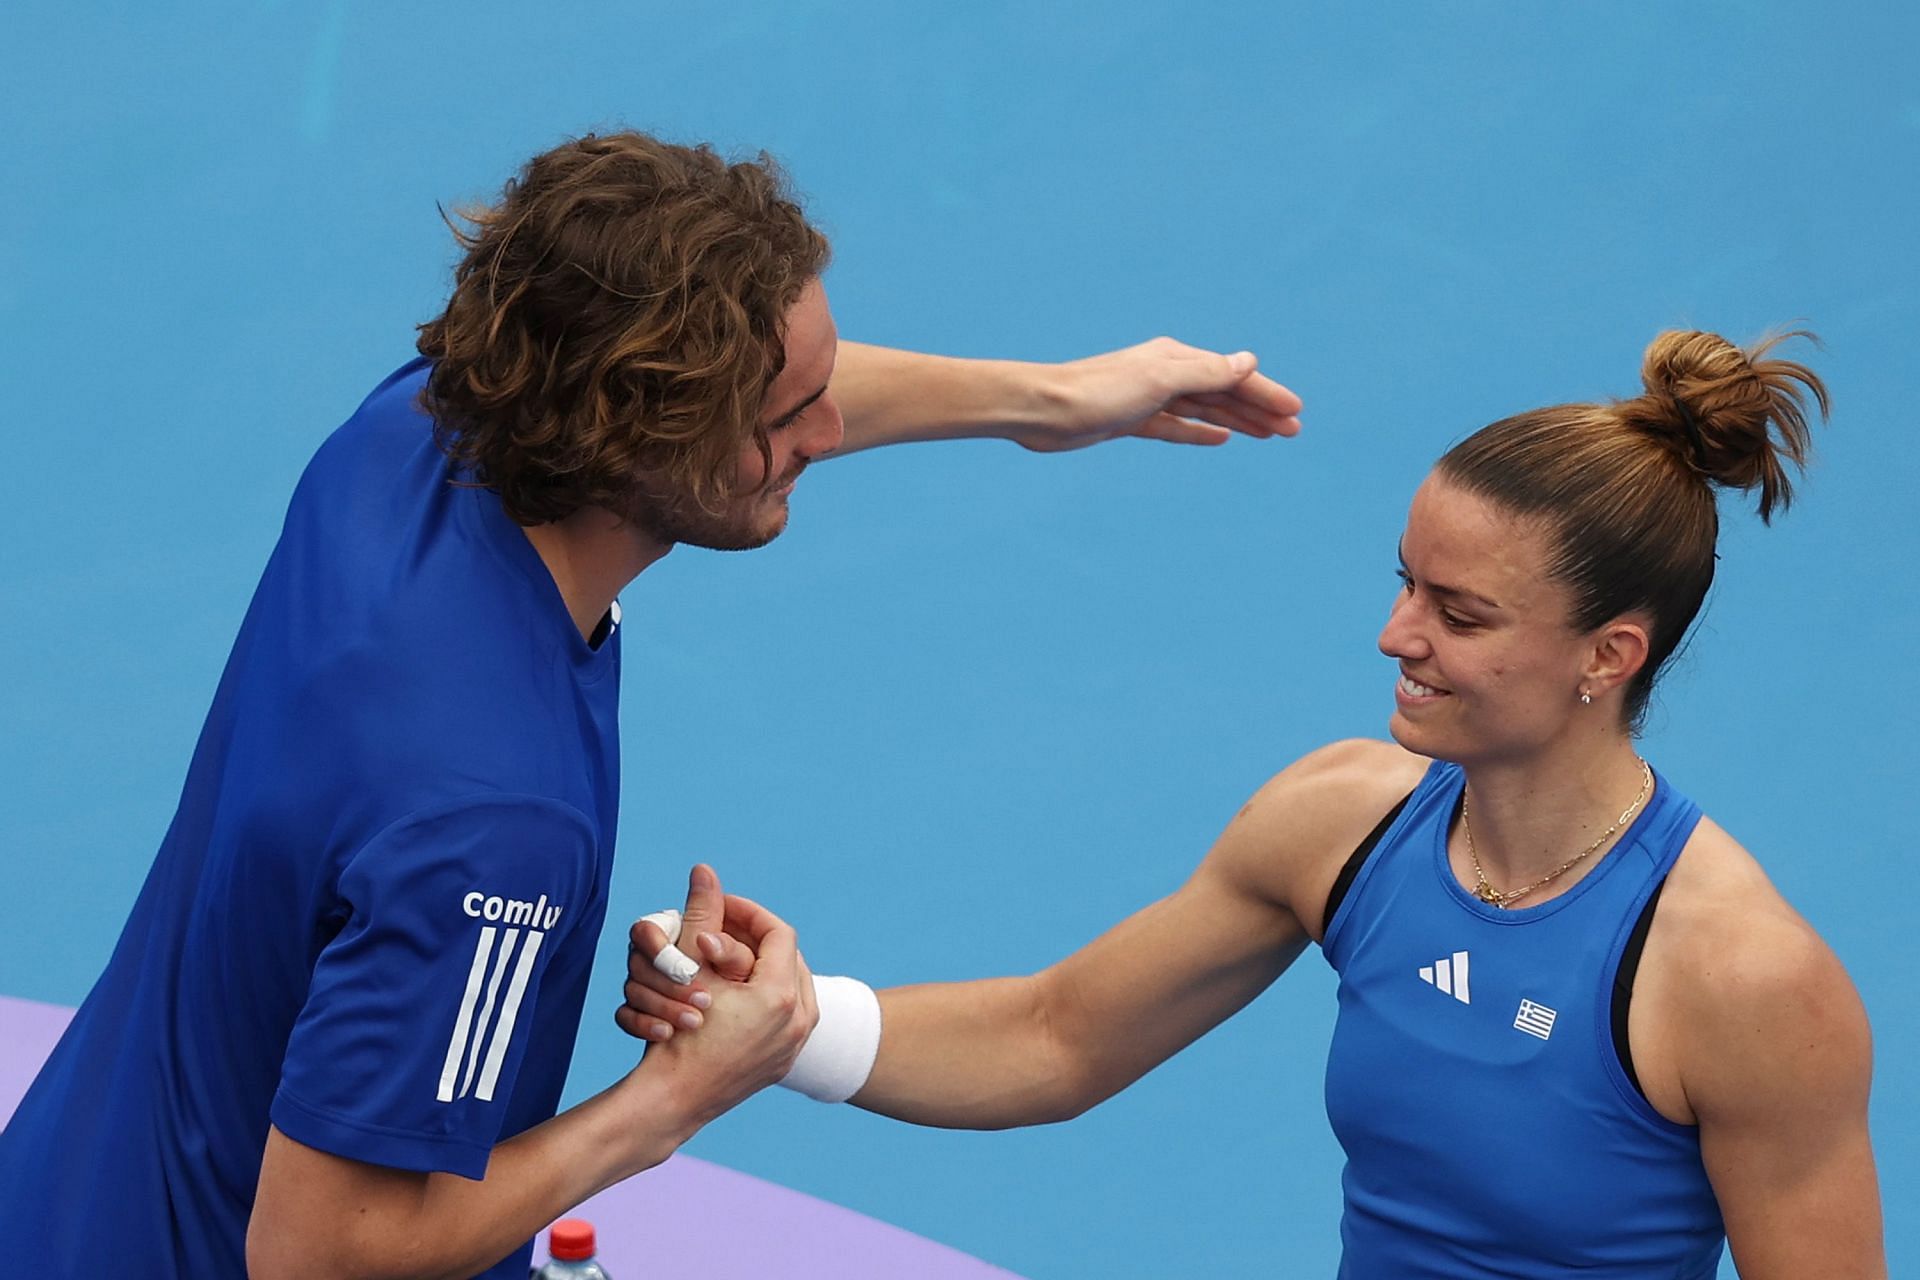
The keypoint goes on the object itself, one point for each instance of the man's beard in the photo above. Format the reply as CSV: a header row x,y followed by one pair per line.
x,y
745,522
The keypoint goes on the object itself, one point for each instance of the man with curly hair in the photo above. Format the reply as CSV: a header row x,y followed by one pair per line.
x,y
314,1051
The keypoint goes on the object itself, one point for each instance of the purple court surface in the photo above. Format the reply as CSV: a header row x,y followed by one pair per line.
x,y
733,1224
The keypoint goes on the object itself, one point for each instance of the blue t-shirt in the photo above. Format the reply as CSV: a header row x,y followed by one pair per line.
x,y
1490,1128
372,919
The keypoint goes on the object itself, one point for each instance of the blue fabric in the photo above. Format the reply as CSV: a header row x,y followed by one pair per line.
x,y
374,914
1485,1137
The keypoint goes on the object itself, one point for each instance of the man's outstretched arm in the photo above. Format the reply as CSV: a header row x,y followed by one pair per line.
x,y
1158,390
321,1215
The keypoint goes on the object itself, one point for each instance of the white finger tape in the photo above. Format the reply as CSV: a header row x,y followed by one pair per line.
x,y
672,961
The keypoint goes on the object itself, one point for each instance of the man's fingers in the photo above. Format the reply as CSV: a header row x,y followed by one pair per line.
x,y
677,965
1223,411
645,940
728,950
650,946
641,1027
649,1002
1271,410
772,939
646,936
748,921
706,904
649,970
778,958
1193,369
1209,390
726,955
1206,375
1177,430
720,930
1261,394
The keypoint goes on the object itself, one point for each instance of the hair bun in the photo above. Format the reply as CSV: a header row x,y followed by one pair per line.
x,y
1735,416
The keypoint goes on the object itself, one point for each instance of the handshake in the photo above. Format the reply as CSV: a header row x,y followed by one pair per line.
x,y
748,993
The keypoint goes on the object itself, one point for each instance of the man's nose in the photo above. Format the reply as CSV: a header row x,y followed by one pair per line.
x,y
829,428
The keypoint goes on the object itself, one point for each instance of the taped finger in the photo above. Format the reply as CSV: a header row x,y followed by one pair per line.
x,y
672,961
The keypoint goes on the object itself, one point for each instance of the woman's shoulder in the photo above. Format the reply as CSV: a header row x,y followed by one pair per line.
x,y
1366,763
1300,827
1755,998
1719,908
1325,794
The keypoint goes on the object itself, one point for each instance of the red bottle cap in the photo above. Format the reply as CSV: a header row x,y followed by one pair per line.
x,y
571,1240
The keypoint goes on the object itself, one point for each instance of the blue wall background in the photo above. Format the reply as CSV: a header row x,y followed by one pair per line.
x,y
977,705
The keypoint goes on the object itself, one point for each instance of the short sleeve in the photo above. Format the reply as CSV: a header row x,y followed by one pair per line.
x,y
417,1015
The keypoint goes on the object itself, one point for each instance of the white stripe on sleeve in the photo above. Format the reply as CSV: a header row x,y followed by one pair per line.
x,y
503,1030
463,1023
486,1010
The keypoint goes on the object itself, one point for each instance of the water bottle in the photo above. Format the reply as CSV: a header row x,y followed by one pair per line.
x,y
570,1253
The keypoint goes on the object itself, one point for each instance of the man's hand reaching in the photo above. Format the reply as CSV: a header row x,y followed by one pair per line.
x,y
1163,390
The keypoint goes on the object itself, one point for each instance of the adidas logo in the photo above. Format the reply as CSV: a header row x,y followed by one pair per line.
x,y
1449,973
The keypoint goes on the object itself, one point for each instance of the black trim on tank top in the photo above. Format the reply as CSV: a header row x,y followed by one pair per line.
x,y
1623,986
1355,860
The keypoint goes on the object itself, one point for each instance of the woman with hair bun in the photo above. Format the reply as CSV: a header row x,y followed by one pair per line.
x,y
1580,1033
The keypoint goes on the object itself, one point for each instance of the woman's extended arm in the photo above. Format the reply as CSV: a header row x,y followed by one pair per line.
x,y
1002,1052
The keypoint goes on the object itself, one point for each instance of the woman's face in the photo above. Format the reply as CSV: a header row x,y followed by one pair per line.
x,y
1490,669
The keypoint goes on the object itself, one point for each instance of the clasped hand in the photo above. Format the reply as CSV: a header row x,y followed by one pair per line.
x,y
756,1020
732,938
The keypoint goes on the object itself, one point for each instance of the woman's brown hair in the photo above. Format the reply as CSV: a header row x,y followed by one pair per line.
x,y
619,310
1626,491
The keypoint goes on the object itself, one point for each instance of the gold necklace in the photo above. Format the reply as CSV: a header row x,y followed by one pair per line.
x,y
1487,893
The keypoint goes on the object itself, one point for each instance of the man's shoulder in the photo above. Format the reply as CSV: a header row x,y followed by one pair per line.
x,y
395,399
387,423
388,572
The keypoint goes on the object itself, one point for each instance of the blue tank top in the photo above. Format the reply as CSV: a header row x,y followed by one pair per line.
x,y
1489,1127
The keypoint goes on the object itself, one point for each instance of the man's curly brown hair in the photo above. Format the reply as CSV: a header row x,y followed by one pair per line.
x,y
619,310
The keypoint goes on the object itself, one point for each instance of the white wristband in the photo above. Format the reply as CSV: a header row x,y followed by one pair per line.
x,y
838,1057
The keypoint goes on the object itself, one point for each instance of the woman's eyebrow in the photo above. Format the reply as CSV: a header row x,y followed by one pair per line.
x,y
1456,593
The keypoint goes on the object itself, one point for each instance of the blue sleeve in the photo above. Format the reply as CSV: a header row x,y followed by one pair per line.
x,y
416,1020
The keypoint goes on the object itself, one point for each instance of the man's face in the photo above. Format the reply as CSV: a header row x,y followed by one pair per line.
x,y
802,423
